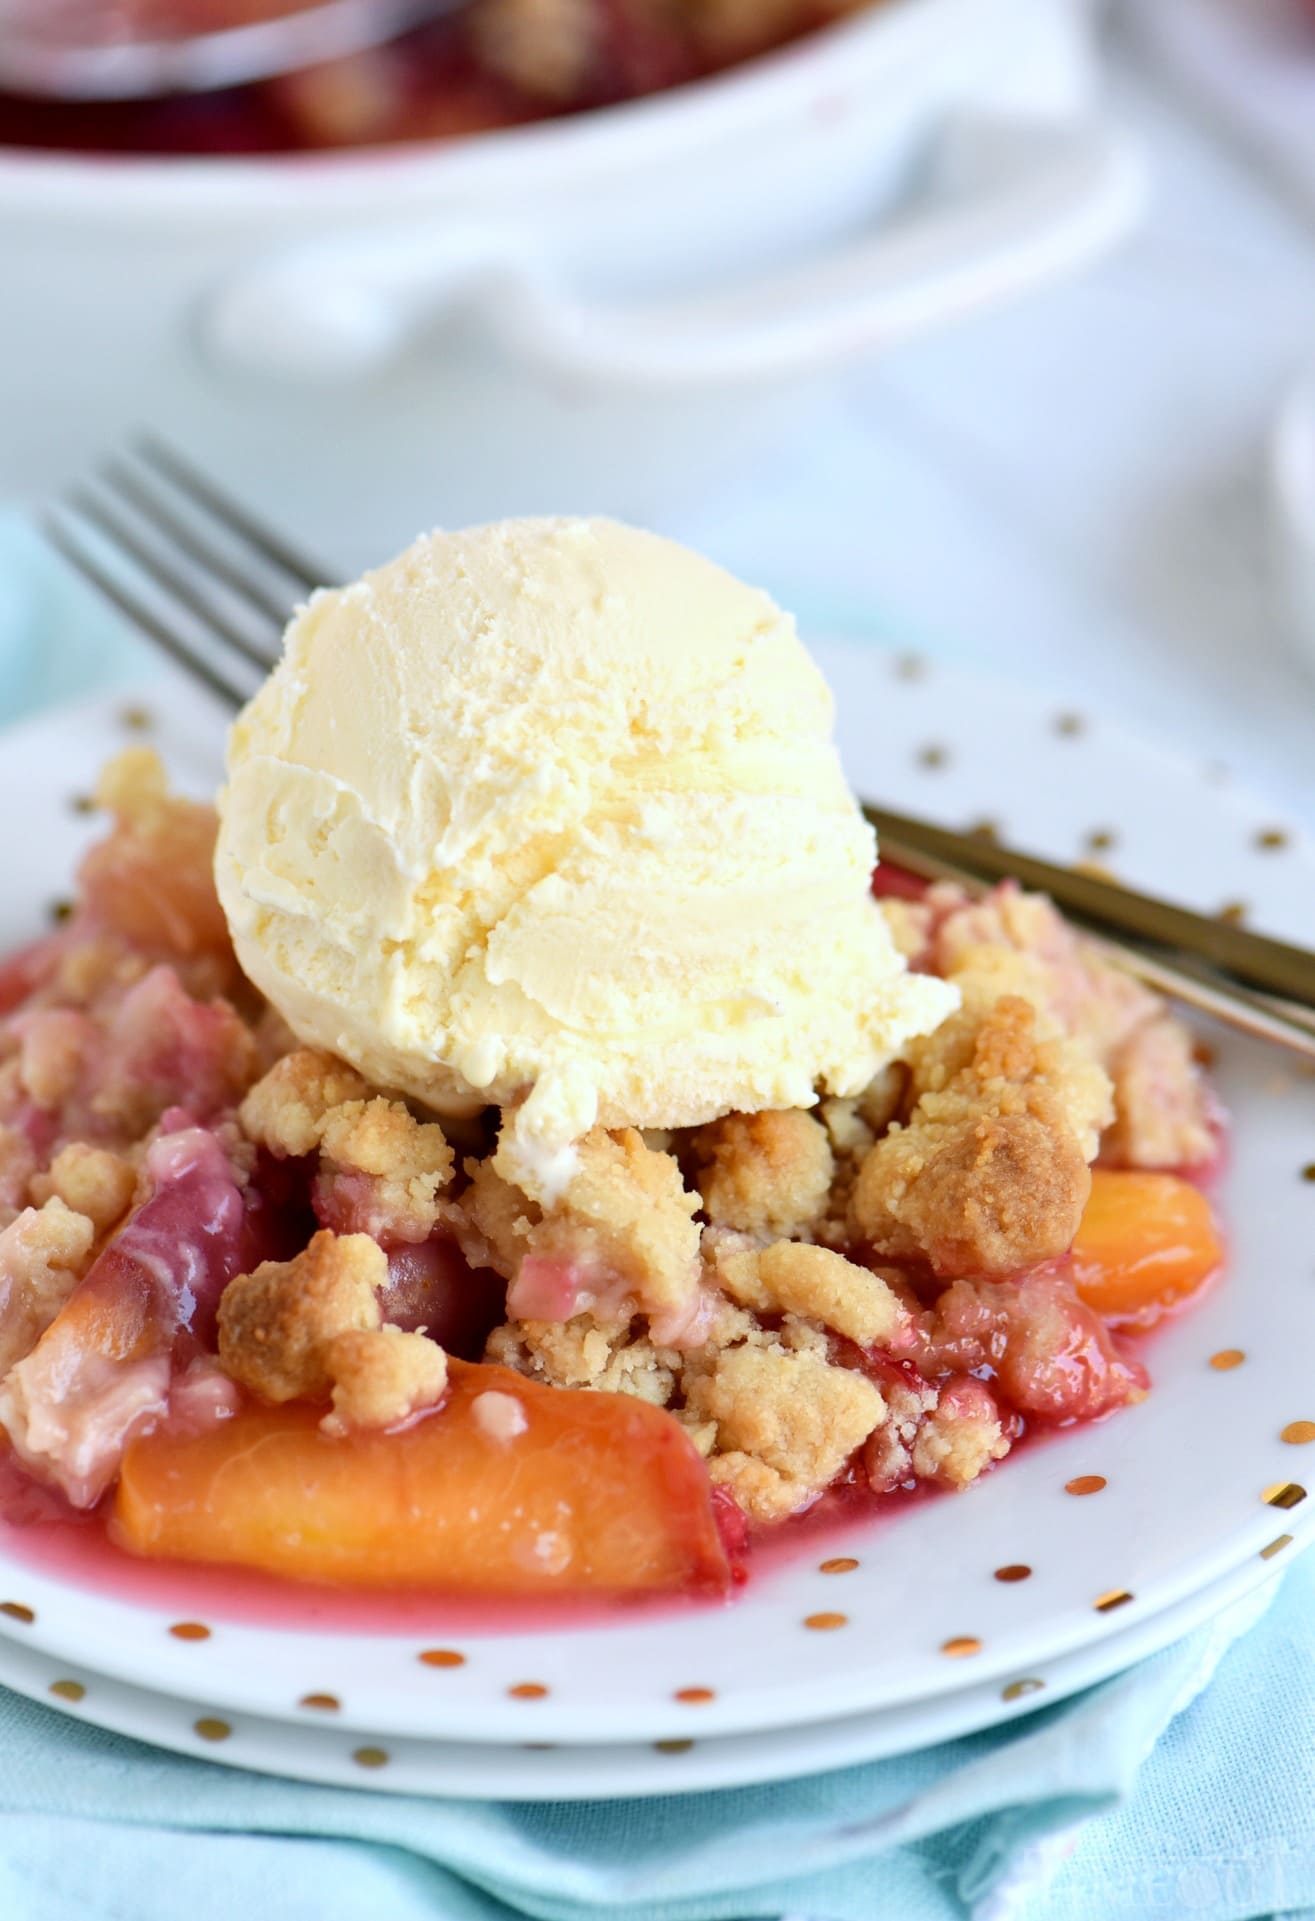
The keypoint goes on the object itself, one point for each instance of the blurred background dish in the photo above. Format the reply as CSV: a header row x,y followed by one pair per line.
x,y
881,175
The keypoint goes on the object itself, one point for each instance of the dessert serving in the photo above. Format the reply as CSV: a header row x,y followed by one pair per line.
x,y
472,69
524,1153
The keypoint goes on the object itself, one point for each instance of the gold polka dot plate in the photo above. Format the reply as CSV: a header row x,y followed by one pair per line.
x,y
546,1771
1202,1485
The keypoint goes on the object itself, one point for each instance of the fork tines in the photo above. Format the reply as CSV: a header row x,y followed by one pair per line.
x,y
196,572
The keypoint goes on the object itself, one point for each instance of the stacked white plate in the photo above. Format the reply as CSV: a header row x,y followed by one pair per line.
x,y
1085,1552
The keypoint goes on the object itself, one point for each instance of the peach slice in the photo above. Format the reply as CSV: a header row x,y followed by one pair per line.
x,y
1146,1242
536,1490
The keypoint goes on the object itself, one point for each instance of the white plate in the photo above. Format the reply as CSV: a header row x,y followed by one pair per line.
x,y
320,1748
1187,1472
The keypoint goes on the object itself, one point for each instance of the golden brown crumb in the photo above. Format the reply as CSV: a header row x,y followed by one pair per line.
x,y
766,1173
151,880
621,1236
1006,1040
92,1181
287,1109
43,1254
1162,1106
817,1284
583,1353
764,1494
92,966
408,1161
275,1323
960,1436
883,1097
989,1175
381,1376
793,1412
545,48
51,1052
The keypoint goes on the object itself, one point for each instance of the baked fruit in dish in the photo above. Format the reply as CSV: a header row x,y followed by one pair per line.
x,y
256,1309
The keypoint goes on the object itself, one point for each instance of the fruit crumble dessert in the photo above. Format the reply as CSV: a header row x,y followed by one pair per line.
x,y
549,1158
490,65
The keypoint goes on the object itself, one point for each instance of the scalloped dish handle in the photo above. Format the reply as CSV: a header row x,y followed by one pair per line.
x,y
1011,203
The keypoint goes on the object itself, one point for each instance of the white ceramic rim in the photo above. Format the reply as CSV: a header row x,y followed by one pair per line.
x,y
319,1748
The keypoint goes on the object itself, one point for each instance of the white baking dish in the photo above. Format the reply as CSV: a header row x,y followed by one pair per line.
x,y
876,179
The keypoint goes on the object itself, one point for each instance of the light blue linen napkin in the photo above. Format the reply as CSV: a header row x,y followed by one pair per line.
x,y
1153,1795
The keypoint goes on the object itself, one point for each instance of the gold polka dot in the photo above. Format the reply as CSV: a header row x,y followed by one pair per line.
x,y
1275,1547
1100,840
1270,839
442,1658
673,1747
910,667
190,1631
1069,726
1203,1054
1298,1433
1016,1571
17,1612
696,1697
68,1690
823,1623
1086,1484
61,911
138,720
1017,1689
1232,913
1227,1358
1115,1597
325,1703
1308,1171
960,1645
838,1564
211,1729
1284,1494
83,804
528,1691
933,757
370,1757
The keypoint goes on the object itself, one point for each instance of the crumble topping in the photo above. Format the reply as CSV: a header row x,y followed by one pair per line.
x,y
989,1173
277,1323
381,1376
816,1284
43,1255
287,1110
767,1174
622,1233
786,1423
94,1181
873,1291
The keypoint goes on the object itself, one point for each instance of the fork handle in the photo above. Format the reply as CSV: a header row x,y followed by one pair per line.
x,y
1271,965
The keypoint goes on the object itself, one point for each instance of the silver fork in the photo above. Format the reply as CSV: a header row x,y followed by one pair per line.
x,y
212,586
193,569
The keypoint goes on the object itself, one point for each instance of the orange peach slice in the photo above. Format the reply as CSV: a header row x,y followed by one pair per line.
x,y
509,1488
1146,1242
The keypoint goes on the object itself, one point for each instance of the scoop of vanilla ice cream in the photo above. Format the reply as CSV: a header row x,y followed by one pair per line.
x,y
547,813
